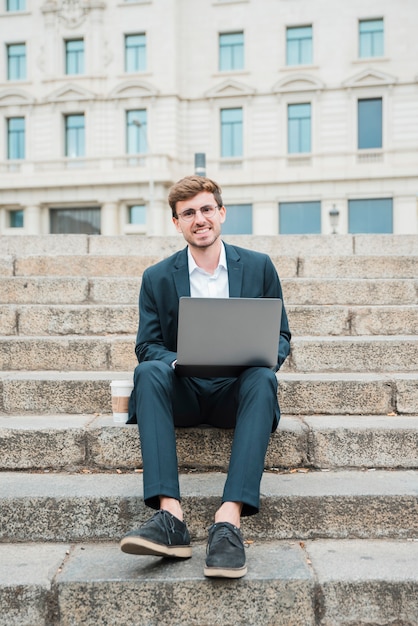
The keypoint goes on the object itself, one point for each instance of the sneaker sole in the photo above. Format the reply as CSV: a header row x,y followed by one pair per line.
x,y
224,572
139,545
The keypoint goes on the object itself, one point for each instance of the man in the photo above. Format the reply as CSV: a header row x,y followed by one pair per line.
x,y
163,400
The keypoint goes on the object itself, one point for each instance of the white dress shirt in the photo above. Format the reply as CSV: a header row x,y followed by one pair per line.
x,y
205,285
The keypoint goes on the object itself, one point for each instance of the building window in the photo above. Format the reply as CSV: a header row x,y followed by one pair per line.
x,y
239,220
371,38
135,53
231,132
370,216
370,123
299,45
16,138
136,132
16,218
74,136
299,128
74,56
79,220
137,214
15,5
231,51
300,218
16,61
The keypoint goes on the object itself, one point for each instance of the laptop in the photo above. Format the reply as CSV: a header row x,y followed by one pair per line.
x,y
223,336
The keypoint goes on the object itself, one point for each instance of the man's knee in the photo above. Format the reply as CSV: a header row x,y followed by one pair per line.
x,y
262,377
149,372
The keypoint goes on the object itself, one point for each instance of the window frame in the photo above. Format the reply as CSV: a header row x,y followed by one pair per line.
x,y
231,132
370,39
21,6
17,135
369,204
300,42
79,133
77,57
138,135
301,206
20,60
298,121
231,55
134,54
362,144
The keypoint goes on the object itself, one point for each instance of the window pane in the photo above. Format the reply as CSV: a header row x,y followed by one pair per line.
x,y
75,221
299,45
74,56
300,218
16,61
138,214
231,132
231,51
239,220
136,132
370,216
299,128
16,138
74,136
16,5
371,38
16,219
135,53
370,123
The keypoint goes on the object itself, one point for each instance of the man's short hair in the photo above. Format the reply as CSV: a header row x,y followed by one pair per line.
x,y
189,187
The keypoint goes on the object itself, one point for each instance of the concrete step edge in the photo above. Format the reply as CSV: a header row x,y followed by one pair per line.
x,y
104,506
322,582
68,442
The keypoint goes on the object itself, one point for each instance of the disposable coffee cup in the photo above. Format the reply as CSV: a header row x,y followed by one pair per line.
x,y
121,390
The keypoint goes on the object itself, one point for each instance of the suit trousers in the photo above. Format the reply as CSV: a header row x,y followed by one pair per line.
x,y
165,401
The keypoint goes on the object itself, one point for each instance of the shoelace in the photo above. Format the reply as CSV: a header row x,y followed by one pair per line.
x,y
224,532
166,523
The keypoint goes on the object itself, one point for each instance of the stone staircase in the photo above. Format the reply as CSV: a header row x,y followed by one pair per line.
x,y
336,541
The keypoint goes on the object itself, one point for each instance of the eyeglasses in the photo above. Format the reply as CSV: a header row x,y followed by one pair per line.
x,y
206,211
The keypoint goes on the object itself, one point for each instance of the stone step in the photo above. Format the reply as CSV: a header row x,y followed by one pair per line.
x,y
122,319
312,583
75,442
321,266
104,506
121,290
53,392
322,354
293,245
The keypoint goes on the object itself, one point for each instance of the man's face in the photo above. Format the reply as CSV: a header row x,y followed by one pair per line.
x,y
201,231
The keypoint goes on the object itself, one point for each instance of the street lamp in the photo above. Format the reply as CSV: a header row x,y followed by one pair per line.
x,y
334,214
140,127
200,163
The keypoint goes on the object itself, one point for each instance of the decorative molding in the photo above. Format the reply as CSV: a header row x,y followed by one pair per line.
x,y
15,96
230,88
134,89
370,78
72,12
298,82
69,93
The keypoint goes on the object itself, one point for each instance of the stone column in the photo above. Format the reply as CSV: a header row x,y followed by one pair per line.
x,y
110,219
32,220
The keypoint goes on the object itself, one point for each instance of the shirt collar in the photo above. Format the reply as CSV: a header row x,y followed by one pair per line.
x,y
192,263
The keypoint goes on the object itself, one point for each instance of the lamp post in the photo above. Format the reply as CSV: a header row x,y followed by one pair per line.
x,y
140,127
334,214
200,163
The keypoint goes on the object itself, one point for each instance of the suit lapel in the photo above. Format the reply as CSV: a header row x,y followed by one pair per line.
x,y
234,271
181,274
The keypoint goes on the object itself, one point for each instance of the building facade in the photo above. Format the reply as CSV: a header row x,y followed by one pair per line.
x,y
306,112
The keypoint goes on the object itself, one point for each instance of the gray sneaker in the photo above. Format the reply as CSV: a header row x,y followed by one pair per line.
x,y
225,553
162,535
